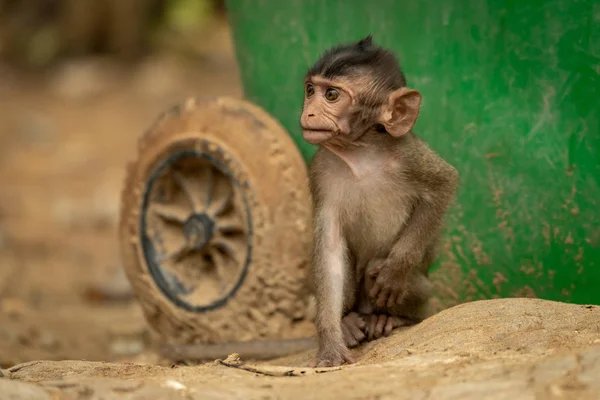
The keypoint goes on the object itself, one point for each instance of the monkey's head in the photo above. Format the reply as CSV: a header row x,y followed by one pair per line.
x,y
355,89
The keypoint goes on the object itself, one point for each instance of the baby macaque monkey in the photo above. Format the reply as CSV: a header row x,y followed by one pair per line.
x,y
380,195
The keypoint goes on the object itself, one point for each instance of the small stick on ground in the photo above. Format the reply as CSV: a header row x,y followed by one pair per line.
x,y
234,361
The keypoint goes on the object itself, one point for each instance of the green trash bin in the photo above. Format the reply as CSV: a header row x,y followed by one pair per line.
x,y
510,97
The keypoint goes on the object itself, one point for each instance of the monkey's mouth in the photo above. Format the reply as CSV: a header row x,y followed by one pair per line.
x,y
316,136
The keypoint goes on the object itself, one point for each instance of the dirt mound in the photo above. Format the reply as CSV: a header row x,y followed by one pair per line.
x,y
496,349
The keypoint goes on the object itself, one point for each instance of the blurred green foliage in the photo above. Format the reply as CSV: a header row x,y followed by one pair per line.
x,y
186,15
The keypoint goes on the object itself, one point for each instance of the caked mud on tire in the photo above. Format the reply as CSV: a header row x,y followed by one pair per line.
x,y
215,224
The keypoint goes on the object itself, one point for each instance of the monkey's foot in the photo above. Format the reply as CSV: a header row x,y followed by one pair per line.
x,y
382,325
332,356
353,327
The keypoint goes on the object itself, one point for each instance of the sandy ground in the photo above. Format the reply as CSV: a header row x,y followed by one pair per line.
x,y
66,137
496,349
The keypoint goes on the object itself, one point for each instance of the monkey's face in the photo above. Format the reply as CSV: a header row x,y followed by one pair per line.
x,y
327,110
332,115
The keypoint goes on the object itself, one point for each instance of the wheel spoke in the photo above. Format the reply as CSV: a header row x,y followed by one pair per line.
x,y
176,255
186,186
223,195
199,189
232,223
232,247
222,269
169,212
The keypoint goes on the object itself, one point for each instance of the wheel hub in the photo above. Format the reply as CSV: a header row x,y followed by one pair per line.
x,y
198,230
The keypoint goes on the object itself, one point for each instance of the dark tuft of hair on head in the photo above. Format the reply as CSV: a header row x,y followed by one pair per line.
x,y
365,43
360,57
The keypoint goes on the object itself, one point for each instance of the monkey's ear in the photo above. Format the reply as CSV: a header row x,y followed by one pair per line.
x,y
401,112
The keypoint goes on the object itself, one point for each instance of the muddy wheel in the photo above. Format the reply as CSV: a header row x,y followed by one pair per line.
x,y
215,224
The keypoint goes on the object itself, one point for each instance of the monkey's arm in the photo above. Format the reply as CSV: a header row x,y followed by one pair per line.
x,y
425,222
329,271
422,229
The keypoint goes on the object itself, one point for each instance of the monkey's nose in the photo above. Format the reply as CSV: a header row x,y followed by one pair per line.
x,y
311,115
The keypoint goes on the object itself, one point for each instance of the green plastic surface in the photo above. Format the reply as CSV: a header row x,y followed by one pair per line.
x,y
510,97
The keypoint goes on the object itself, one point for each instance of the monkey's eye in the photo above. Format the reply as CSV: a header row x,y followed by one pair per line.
x,y
310,90
331,94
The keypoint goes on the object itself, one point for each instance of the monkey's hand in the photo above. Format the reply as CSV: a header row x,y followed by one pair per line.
x,y
389,281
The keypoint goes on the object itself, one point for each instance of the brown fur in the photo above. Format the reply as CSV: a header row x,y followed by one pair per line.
x,y
380,195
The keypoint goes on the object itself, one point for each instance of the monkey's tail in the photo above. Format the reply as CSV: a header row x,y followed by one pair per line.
x,y
255,350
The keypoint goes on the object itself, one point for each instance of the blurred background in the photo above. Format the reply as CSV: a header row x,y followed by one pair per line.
x,y
80,81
